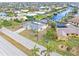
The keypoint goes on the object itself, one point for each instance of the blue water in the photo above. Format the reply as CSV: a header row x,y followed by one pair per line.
x,y
59,16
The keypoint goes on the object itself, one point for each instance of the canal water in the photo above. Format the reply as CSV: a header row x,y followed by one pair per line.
x,y
60,15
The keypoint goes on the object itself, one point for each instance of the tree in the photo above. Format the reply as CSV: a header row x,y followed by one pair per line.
x,y
51,34
35,50
48,50
6,23
75,10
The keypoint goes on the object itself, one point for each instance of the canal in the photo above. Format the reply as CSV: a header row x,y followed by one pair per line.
x,y
62,14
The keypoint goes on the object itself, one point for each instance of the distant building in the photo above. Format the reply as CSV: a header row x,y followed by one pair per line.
x,y
65,33
14,18
74,21
44,21
24,10
36,26
31,14
40,12
44,8
3,14
60,25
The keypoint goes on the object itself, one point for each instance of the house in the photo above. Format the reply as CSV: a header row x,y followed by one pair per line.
x,y
36,26
3,14
24,10
44,8
74,21
44,21
40,12
31,14
14,18
65,33
60,25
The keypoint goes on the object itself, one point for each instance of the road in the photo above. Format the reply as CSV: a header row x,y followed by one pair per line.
x,y
71,26
7,49
24,41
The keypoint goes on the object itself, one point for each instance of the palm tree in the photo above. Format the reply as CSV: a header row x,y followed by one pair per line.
x,y
35,50
48,51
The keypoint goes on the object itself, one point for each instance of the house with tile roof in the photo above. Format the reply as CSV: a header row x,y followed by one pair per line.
x,y
74,21
65,33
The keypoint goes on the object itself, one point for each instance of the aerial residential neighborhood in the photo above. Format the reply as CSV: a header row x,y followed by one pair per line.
x,y
39,29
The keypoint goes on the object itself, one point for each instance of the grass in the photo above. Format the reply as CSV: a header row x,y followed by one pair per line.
x,y
54,44
26,33
17,44
14,25
73,42
39,17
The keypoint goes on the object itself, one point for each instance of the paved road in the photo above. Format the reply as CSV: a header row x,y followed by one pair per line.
x,y
7,49
24,41
71,26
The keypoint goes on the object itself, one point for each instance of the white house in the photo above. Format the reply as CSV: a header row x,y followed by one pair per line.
x,y
36,26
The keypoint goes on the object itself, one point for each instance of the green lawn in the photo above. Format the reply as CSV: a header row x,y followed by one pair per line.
x,y
39,17
10,24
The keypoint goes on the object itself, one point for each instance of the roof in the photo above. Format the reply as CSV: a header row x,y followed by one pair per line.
x,y
3,14
60,25
65,31
44,21
34,25
31,14
75,19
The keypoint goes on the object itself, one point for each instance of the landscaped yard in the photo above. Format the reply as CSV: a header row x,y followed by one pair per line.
x,y
12,25
28,34
39,17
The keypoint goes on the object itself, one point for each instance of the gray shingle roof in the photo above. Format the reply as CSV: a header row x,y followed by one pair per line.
x,y
65,31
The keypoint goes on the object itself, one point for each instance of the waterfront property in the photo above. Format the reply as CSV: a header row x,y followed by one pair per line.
x,y
60,25
36,26
65,33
